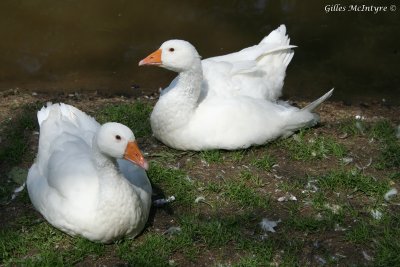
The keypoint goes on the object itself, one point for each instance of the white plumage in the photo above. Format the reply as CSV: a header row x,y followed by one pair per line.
x,y
226,102
76,182
257,71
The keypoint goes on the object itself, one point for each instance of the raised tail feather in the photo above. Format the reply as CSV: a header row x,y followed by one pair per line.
x,y
305,117
313,105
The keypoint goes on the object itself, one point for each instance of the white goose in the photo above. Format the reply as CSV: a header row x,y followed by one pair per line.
x,y
257,71
188,118
82,181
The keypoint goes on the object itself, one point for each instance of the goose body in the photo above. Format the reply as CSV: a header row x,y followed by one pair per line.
x,y
82,181
187,117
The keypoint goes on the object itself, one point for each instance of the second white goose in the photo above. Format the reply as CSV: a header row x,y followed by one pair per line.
x,y
184,118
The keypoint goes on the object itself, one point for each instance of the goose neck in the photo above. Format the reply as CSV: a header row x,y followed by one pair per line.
x,y
189,82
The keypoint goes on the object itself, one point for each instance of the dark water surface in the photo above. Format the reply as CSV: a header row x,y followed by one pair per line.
x,y
72,45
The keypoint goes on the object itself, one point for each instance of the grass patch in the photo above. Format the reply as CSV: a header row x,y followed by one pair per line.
x,y
154,250
388,243
380,236
212,156
15,141
390,156
174,182
242,190
211,233
291,185
255,179
383,131
264,163
214,232
353,181
134,115
353,127
390,152
244,195
360,233
306,148
14,147
43,245
237,155
308,224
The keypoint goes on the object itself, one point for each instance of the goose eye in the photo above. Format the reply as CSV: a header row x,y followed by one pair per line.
x,y
171,49
118,137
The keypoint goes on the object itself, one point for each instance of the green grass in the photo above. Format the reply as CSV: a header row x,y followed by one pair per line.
x,y
241,190
174,181
154,250
14,146
212,156
43,245
246,196
382,130
255,179
353,181
390,152
265,162
238,155
390,156
214,232
294,184
136,116
15,142
216,235
380,237
353,127
305,147
360,233
388,243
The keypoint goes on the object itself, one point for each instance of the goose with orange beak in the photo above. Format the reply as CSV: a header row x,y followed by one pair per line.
x,y
227,102
89,179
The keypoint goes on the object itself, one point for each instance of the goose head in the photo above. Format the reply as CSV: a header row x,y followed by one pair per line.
x,y
118,141
175,55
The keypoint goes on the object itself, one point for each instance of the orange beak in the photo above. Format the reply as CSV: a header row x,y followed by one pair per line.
x,y
133,154
152,59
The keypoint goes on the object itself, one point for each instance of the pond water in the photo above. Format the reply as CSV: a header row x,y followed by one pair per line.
x,y
74,45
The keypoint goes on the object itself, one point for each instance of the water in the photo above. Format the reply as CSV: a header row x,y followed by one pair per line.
x,y
71,45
